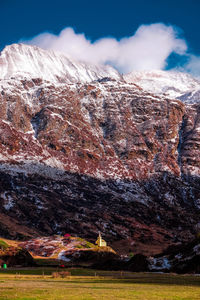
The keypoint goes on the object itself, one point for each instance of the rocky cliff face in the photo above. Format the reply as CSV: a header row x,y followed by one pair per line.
x,y
82,155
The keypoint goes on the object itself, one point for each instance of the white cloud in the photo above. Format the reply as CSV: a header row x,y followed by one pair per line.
x,y
147,49
193,65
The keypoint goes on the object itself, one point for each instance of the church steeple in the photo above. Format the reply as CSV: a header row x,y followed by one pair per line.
x,y
100,242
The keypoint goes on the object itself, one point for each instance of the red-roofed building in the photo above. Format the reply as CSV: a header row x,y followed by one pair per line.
x,y
67,235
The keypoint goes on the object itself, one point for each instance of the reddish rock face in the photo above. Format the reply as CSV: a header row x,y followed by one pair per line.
x,y
103,155
190,142
107,130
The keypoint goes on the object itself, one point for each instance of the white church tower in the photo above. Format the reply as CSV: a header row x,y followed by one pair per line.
x,y
100,242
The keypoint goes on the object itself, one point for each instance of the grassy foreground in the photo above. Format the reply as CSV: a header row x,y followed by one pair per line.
x,y
110,286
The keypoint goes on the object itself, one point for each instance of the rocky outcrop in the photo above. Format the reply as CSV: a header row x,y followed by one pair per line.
x,y
182,258
15,256
104,155
69,250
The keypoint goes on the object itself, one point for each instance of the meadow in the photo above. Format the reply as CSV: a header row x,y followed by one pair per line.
x,y
85,284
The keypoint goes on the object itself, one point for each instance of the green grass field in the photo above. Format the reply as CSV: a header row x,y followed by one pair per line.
x,y
83,285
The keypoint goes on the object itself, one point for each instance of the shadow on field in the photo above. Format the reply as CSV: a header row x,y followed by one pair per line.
x,y
154,279
151,279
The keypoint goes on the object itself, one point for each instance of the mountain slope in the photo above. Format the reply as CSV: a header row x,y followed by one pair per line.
x,y
104,155
170,83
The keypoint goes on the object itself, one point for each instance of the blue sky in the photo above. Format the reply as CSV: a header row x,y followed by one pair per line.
x,y
24,19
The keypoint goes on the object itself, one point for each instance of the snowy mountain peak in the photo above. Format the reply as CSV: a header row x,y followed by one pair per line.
x,y
174,84
20,61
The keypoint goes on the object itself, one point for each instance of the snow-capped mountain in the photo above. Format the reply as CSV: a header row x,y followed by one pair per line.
x,y
25,61
172,84
81,150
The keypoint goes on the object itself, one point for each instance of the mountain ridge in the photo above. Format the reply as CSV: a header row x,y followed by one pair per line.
x,y
173,84
31,61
